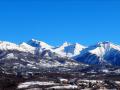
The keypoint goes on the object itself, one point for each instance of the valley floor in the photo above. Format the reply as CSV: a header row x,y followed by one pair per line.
x,y
60,81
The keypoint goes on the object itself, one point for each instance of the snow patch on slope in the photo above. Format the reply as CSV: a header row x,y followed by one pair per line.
x,y
11,56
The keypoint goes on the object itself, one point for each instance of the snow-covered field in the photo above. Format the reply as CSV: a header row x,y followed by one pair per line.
x,y
32,83
53,85
64,87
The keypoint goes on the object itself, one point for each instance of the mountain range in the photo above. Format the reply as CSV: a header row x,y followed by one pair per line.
x,y
36,55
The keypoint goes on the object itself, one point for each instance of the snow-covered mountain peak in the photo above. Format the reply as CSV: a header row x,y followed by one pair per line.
x,y
102,44
65,44
69,50
107,45
101,48
77,45
4,45
62,47
27,47
39,44
102,52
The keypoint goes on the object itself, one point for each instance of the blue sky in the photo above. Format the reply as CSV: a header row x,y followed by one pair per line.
x,y
56,21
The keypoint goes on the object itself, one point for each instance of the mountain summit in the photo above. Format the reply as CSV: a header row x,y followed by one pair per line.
x,y
65,50
69,50
102,52
39,44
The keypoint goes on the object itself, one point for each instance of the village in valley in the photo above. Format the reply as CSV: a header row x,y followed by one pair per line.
x,y
60,81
